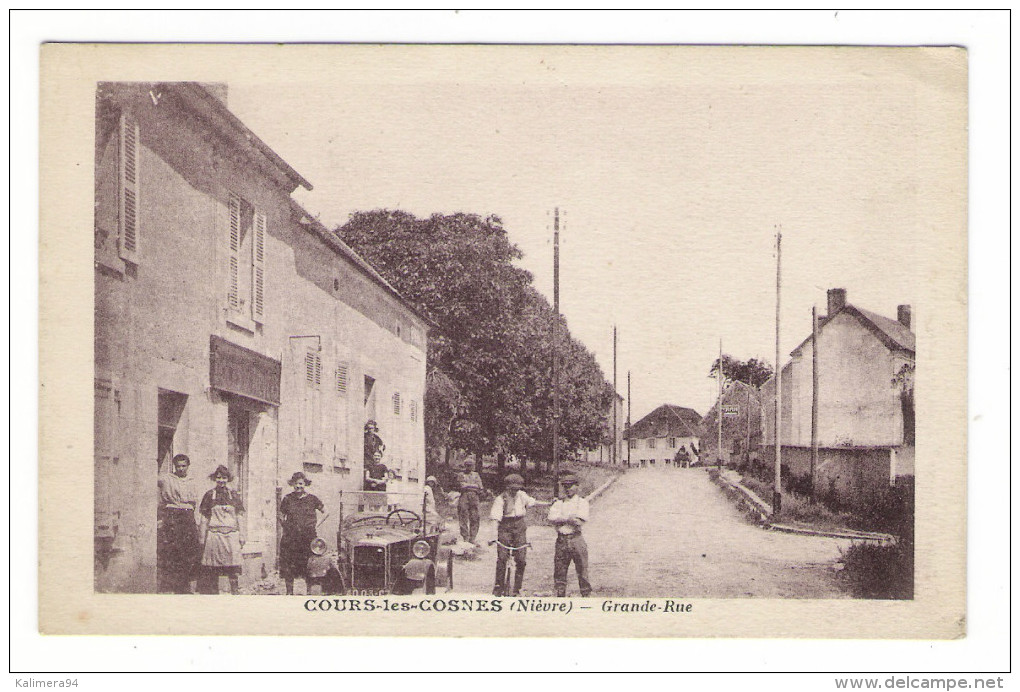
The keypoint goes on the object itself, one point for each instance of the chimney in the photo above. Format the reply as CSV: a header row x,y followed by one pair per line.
x,y
837,299
903,315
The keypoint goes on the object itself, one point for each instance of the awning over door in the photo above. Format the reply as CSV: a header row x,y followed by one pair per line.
x,y
244,372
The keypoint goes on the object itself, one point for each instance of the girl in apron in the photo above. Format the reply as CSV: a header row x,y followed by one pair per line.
x,y
224,532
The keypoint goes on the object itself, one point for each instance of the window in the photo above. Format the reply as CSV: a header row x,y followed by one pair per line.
x,y
396,403
672,443
651,443
313,369
342,371
633,444
128,190
246,295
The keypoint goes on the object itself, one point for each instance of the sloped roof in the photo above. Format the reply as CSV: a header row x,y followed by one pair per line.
x,y
735,391
893,330
206,104
667,421
889,331
313,225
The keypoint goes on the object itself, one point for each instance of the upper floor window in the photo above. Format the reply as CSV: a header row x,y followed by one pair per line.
x,y
651,443
247,263
128,189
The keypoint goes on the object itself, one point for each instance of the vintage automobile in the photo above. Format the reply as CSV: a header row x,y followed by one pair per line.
x,y
386,547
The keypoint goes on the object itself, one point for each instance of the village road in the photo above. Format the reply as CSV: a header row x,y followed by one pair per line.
x,y
661,532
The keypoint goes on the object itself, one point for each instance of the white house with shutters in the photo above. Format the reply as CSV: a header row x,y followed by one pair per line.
x,y
231,326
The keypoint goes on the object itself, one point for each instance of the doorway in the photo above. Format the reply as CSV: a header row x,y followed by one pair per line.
x,y
239,433
170,406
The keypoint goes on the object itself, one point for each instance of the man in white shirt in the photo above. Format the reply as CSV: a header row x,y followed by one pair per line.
x,y
510,508
568,514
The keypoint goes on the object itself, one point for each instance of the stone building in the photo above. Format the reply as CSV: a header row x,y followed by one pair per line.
x,y
230,326
865,404
667,436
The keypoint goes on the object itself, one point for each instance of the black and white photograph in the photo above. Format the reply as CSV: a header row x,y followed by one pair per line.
x,y
602,331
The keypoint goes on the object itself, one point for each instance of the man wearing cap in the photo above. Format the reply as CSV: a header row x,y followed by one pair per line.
x,y
467,506
510,508
568,514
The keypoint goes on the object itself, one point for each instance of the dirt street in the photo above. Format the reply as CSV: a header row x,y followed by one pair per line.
x,y
672,532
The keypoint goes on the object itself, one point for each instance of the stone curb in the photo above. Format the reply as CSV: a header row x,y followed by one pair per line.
x,y
602,488
881,538
764,511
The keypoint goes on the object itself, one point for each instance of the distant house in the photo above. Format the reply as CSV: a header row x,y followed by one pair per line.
x,y
865,411
741,425
667,436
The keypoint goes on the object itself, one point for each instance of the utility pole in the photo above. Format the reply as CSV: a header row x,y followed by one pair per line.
x,y
777,488
628,420
814,398
556,353
612,457
719,411
747,427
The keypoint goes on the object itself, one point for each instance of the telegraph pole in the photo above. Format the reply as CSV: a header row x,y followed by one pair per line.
x,y
556,353
628,419
747,427
814,398
718,411
612,456
777,489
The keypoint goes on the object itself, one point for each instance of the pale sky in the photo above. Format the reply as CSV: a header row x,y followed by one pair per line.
x,y
672,182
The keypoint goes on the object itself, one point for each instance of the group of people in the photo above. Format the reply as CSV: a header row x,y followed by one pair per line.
x,y
203,539
208,545
568,512
205,546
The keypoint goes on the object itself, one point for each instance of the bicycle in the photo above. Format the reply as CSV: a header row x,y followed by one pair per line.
x,y
511,565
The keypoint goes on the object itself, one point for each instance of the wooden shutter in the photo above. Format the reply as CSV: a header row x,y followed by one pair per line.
x,y
128,211
233,290
258,270
313,369
342,371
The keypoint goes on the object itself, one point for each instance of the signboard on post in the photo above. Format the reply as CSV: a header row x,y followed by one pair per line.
x,y
730,411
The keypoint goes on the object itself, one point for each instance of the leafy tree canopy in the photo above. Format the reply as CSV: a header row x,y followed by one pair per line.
x,y
753,372
490,357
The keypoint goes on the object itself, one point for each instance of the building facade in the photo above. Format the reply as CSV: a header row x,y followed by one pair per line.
x,y
668,436
232,327
865,411
741,426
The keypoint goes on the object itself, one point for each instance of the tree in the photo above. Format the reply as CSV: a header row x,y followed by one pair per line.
x,y
903,380
492,344
753,372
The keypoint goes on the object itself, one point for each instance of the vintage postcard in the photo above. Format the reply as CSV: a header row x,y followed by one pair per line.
x,y
606,341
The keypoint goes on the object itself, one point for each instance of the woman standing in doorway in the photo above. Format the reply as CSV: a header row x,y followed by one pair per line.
x,y
224,531
301,513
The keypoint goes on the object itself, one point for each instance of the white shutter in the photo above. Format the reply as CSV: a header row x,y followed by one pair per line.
x,y
233,290
342,373
129,142
258,270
